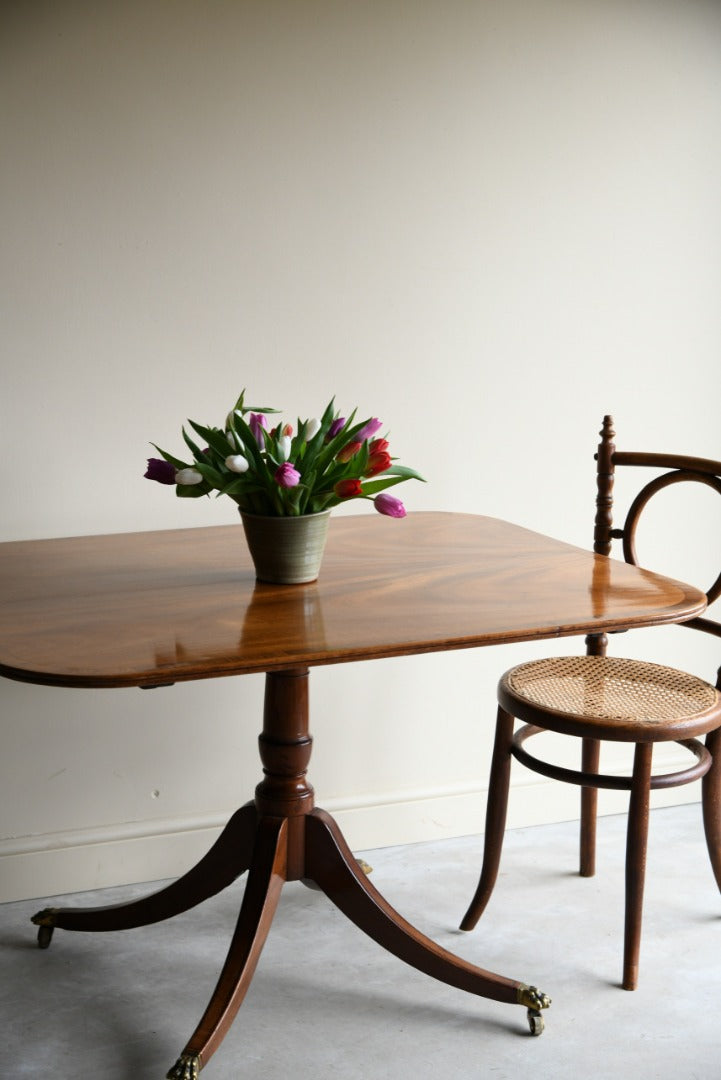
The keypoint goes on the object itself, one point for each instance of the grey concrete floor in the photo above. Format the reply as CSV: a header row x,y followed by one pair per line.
x,y
327,1003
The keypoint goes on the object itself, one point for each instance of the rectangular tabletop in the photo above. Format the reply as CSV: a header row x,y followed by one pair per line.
x,y
151,608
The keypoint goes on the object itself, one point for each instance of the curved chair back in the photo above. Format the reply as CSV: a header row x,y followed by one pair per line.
x,y
677,468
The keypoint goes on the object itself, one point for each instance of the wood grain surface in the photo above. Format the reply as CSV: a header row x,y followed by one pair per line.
x,y
151,608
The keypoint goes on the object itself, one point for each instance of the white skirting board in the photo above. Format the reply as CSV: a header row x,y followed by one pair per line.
x,y
56,863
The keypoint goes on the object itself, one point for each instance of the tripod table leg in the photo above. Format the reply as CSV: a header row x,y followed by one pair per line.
x,y
330,862
260,900
220,866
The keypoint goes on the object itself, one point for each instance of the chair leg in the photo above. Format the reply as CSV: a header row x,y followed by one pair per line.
x,y
711,800
590,759
496,808
636,845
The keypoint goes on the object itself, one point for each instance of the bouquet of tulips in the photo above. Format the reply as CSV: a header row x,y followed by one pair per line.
x,y
281,472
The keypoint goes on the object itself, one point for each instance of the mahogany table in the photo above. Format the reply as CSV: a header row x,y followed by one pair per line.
x,y
155,608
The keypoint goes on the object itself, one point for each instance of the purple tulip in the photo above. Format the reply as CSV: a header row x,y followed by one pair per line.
x,y
368,429
161,471
257,424
389,505
287,475
335,427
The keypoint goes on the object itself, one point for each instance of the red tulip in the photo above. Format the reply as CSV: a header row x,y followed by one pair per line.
x,y
348,489
349,450
378,463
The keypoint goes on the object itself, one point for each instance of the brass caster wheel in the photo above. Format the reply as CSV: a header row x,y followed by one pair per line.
x,y
535,1021
45,935
534,1000
45,920
362,865
187,1067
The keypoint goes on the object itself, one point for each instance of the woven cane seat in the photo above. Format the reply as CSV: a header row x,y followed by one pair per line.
x,y
623,697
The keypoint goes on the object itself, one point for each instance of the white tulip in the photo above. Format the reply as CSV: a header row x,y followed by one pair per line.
x,y
230,433
312,428
284,447
237,463
188,477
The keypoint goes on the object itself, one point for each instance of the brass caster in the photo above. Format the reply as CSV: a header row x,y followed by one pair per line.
x,y
186,1067
45,934
534,1000
535,1022
44,919
361,864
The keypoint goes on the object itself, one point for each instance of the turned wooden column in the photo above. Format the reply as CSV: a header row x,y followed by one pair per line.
x,y
285,747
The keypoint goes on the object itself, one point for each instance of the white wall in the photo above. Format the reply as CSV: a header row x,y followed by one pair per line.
x,y
486,222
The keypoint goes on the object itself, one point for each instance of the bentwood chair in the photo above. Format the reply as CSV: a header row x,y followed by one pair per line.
x,y
598,698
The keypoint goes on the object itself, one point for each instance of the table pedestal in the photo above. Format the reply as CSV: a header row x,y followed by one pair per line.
x,y
282,837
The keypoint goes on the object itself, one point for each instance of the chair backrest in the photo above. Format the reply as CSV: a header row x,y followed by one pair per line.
x,y
675,469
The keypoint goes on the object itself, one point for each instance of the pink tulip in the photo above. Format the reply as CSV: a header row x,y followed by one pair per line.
x,y
389,505
257,424
369,429
287,475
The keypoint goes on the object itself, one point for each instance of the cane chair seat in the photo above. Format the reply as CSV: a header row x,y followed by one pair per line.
x,y
611,698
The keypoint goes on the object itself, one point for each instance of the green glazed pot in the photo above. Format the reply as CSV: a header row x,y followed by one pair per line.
x,y
286,550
